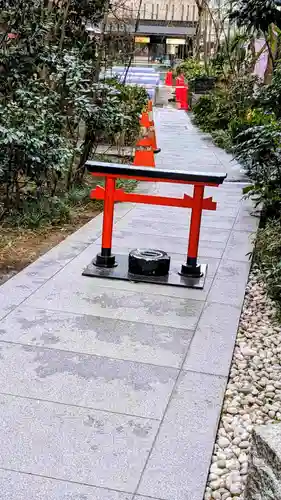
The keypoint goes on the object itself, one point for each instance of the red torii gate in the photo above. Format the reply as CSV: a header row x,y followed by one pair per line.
x,y
105,264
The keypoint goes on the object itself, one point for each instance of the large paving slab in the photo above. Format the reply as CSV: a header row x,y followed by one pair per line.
x,y
71,443
112,390
18,485
87,334
212,346
177,465
89,381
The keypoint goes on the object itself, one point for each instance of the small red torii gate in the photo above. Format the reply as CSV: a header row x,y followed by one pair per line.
x,y
106,264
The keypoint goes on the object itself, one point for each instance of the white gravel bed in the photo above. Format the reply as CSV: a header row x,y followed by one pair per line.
x,y
253,395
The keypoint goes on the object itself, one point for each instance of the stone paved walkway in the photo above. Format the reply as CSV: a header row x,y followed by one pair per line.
x,y
112,390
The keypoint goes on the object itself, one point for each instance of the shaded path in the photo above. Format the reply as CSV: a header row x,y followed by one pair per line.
x,y
112,390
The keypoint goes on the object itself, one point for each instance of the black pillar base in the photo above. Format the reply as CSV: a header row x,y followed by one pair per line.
x,y
121,272
191,268
103,260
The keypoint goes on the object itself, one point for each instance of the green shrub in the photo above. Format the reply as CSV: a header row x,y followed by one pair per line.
x,y
223,139
269,96
191,68
212,111
259,150
36,213
245,118
268,257
203,109
79,195
216,110
54,111
127,184
253,118
54,210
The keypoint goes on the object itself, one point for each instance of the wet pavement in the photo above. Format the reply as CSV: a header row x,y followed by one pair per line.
x,y
112,390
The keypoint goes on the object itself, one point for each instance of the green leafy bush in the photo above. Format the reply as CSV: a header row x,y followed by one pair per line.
x,y
191,68
54,110
231,57
223,139
255,117
36,213
255,14
34,155
245,117
269,97
131,100
225,104
268,257
213,111
260,152
203,109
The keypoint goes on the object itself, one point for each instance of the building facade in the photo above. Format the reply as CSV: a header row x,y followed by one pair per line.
x,y
162,28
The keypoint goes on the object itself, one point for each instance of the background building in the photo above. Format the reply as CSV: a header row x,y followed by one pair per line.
x,y
163,28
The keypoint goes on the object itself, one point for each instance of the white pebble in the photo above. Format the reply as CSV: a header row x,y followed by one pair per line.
x,y
232,410
235,489
221,464
243,458
232,464
214,485
247,351
216,495
253,393
223,442
244,445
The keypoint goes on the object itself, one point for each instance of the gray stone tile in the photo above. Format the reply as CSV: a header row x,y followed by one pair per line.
x,y
212,221
75,444
179,462
161,290
177,259
225,210
230,282
208,221
92,230
87,297
181,216
213,342
227,293
146,187
14,292
247,206
132,240
90,381
240,245
21,286
158,212
234,270
87,334
139,497
126,239
225,200
42,269
171,230
20,486
247,223
60,255
203,157
82,261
